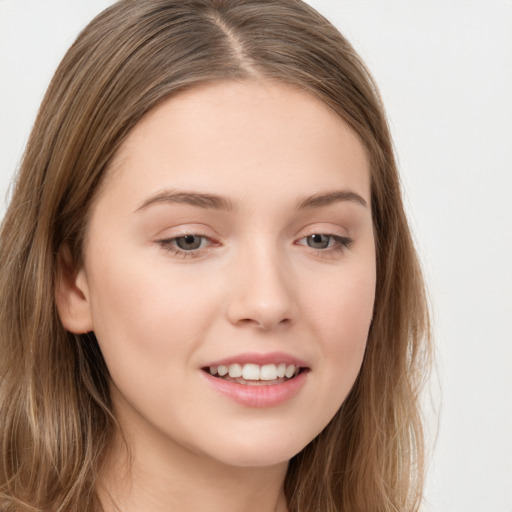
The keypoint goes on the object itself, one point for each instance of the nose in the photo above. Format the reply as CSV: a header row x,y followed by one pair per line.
x,y
261,291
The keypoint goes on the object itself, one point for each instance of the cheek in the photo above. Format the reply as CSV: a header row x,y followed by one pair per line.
x,y
347,337
344,305
143,313
343,314
133,308
148,324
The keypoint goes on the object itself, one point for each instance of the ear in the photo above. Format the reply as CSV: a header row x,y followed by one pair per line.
x,y
72,294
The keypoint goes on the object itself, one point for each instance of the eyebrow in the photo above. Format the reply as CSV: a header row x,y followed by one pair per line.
x,y
326,199
207,201
217,202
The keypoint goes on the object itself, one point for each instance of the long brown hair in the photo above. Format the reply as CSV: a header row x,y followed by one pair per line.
x,y
55,412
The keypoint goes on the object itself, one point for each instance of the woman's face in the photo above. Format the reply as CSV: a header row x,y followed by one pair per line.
x,y
233,231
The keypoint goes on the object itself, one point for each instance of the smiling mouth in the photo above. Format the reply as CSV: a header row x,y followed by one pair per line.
x,y
255,375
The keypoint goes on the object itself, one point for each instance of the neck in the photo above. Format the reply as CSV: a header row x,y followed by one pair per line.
x,y
160,477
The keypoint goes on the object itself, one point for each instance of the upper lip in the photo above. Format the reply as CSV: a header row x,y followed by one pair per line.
x,y
259,359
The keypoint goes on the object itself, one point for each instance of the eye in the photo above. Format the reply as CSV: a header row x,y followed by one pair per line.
x,y
189,245
323,242
189,242
318,241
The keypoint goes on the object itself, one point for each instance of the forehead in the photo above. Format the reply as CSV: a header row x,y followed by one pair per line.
x,y
240,137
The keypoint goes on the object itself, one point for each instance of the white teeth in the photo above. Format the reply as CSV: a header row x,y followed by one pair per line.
x,y
290,371
223,370
235,370
255,372
251,372
268,372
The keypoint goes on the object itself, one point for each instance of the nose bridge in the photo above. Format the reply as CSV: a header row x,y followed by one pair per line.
x,y
262,288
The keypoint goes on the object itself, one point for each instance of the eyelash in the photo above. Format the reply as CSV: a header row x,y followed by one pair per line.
x,y
168,245
341,243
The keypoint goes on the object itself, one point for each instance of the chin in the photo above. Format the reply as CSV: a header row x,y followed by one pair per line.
x,y
251,452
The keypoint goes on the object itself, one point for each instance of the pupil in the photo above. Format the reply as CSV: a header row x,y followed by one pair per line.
x,y
319,241
188,242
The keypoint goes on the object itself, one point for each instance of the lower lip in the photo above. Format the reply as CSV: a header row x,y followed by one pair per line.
x,y
269,395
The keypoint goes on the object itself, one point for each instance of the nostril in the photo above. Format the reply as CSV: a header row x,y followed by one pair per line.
x,y
265,323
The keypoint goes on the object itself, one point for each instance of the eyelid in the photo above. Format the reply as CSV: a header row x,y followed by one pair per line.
x,y
337,242
341,243
339,238
167,244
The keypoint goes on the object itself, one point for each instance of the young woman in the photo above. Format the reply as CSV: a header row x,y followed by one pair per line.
x,y
209,295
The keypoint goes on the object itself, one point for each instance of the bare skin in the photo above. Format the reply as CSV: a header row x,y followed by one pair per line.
x,y
234,223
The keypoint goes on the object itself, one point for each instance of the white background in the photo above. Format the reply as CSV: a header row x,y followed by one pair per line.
x,y
445,71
